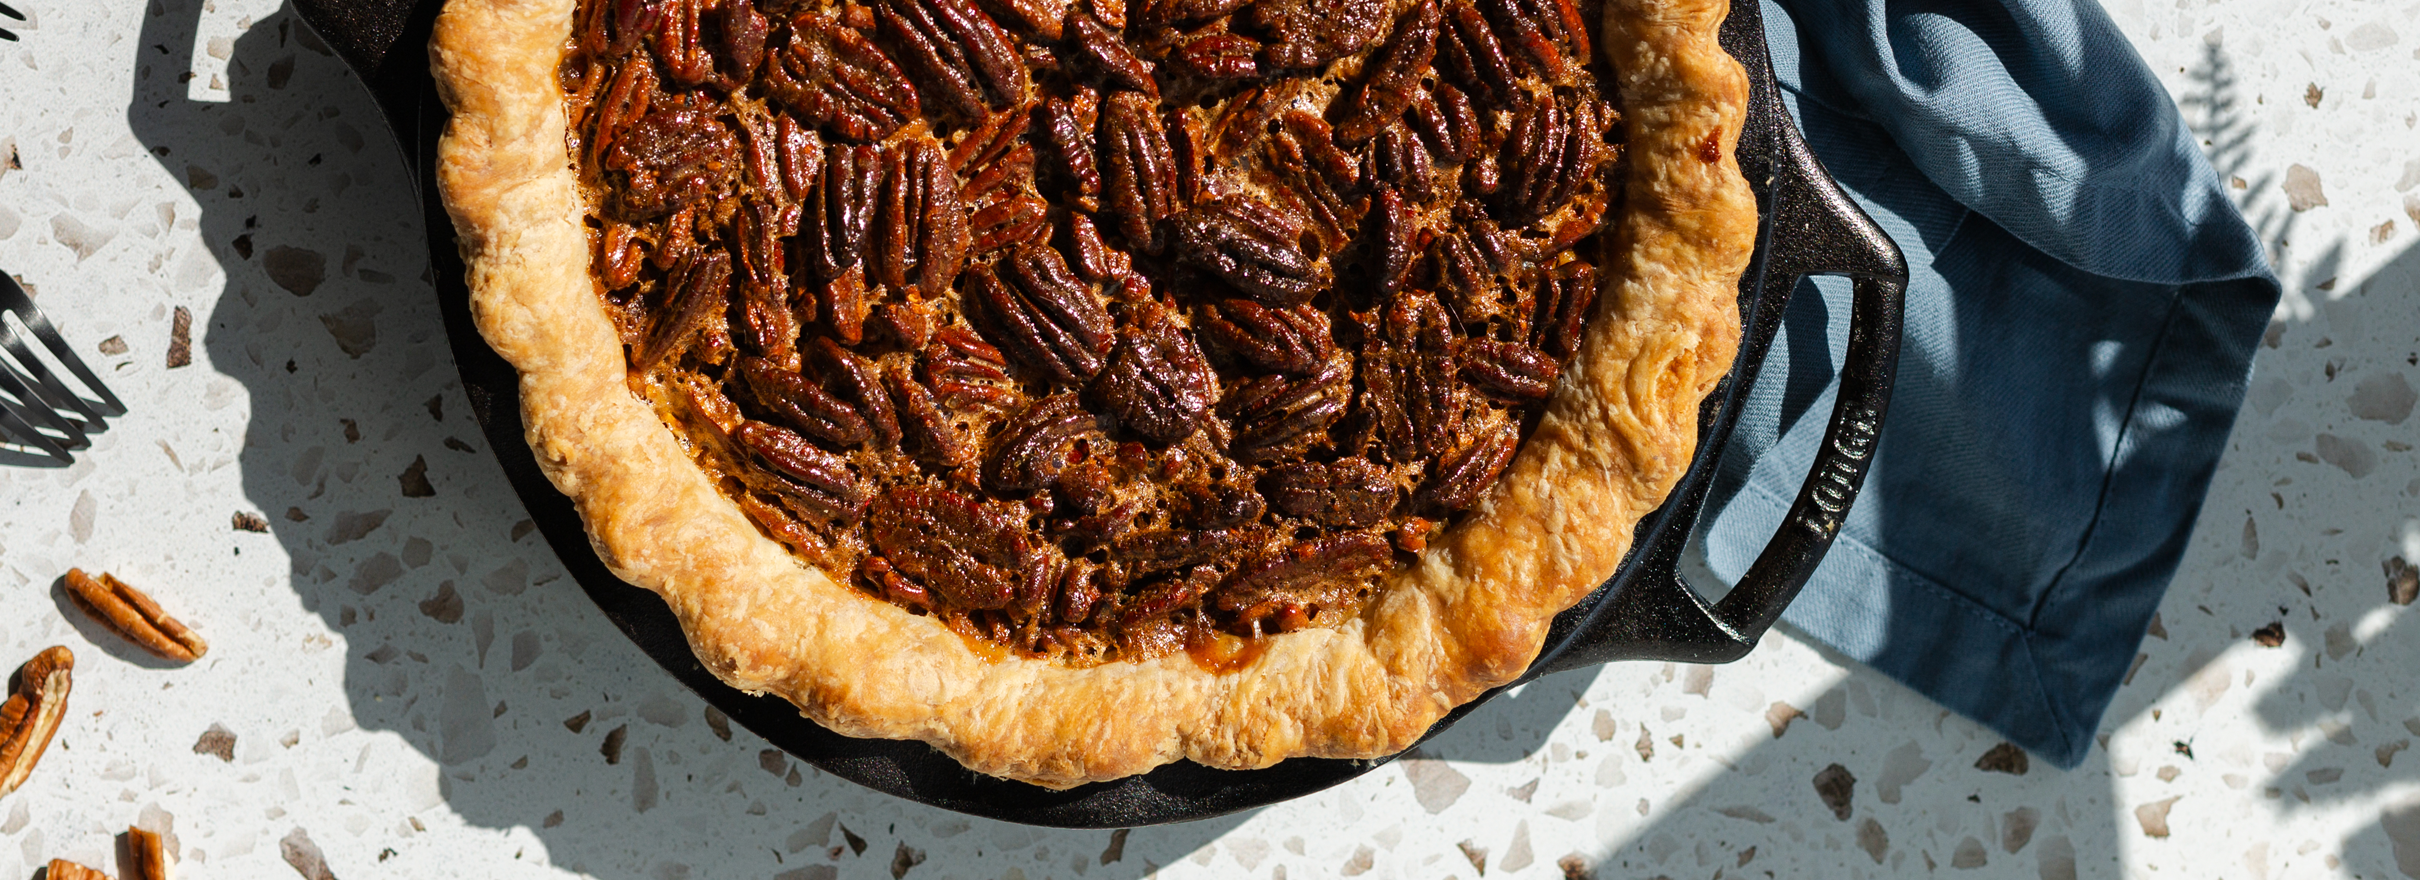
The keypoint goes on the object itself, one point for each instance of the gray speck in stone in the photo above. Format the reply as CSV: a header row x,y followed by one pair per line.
x,y
719,723
465,723
1699,681
2302,189
2383,397
663,710
446,606
856,843
2386,753
2016,828
1360,863
304,855
1871,838
1573,810
2402,585
2351,455
1602,725
351,526
483,634
612,748
414,481
298,270
417,551
1525,791
1968,855
525,651
2056,858
280,71
384,655
2370,37
2402,826
1831,709
79,517
218,741
375,573
552,819
816,833
642,780
1435,784
810,872
1748,813
1838,789
355,327
775,761
1516,854
1899,768
1646,744
1116,850
508,579
200,179
2340,641
578,722
2324,775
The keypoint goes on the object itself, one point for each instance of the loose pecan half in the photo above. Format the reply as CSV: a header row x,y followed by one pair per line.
x,y
1033,446
146,858
134,616
1274,416
1156,383
31,715
961,54
62,869
974,555
821,481
1296,340
830,74
1254,247
1348,493
1042,315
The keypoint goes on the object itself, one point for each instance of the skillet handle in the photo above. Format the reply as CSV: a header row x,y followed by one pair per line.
x,y
1809,227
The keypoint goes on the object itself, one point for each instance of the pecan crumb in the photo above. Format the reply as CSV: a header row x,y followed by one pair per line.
x,y
2270,636
134,616
248,521
62,869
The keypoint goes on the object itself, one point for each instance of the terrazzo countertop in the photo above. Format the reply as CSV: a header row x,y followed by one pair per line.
x,y
403,683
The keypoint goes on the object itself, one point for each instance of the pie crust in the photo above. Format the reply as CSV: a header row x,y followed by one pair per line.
x,y
1468,616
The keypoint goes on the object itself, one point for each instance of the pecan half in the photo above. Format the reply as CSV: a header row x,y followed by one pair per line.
x,y
671,158
1295,340
743,40
1156,383
962,368
1473,55
810,409
1218,55
1457,479
1443,116
700,287
32,714
146,857
1107,52
1543,34
831,75
1401,160
134,616
1311,33
1069,122
1310,575
625,102
62,869
1408,379
1167,12
1565,297
1552,148
1274,416
1509,370
819,480
973,555
1042,315
1392,76
1143,554
1140,182
1044,19
1348,493
1033,446
765,313
679,44
858,378
923,421
921,237
960,53
843,210
1253,247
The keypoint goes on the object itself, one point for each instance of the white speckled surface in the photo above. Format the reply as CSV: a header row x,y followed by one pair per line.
x,y
414,688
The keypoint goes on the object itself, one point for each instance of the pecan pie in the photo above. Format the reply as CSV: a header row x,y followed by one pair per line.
x,y
1082,385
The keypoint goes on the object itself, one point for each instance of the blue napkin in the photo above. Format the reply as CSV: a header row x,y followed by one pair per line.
x,y
2081,315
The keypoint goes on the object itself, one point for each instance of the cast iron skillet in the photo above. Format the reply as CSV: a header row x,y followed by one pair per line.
x,y
1646,612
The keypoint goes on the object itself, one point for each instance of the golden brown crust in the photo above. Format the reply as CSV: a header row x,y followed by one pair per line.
x,y
1469,616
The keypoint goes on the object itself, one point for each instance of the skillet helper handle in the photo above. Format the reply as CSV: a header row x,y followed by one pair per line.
x,y
1810,227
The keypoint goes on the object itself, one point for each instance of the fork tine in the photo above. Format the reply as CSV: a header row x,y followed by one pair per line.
x,y
11,13
14,425
47,391
14,299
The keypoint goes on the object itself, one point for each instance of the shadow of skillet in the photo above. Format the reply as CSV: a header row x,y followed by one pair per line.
x,y
461,635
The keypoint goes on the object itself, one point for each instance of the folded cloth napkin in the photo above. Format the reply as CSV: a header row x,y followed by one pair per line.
x,y
2082,310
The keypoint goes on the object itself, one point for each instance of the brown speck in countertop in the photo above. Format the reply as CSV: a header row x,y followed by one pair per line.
x,y
1779,715
218,741
1476,854
2402,581
415,479
180,338
304,856
906,858
1837,787
2004,758
113,345
2153,816
1117,847
612,747
1871,838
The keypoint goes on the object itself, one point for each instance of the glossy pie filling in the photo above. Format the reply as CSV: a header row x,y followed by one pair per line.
x,y
1098,331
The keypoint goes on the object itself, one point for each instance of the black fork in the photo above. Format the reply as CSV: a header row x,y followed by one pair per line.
x,y
11,14
36,408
